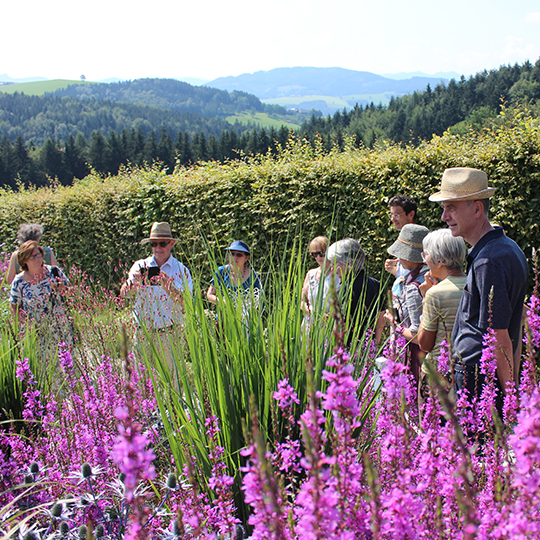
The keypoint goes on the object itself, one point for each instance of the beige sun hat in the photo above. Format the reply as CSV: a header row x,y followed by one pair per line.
x,y
159,231
464,184
408,246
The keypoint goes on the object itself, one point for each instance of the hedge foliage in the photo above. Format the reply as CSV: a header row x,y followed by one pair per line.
x,y
269,201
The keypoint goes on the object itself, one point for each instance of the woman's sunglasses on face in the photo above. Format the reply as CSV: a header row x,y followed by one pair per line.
x,y
316,254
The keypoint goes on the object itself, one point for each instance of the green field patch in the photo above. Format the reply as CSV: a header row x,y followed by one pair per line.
x,y
265,120
39,88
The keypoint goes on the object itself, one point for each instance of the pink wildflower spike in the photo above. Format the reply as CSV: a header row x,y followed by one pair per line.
x,y
285,395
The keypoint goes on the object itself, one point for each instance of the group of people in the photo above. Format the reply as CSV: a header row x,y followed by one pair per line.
x,y
441,292
434,297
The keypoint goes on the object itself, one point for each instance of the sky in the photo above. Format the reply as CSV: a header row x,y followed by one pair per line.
x,y
101,39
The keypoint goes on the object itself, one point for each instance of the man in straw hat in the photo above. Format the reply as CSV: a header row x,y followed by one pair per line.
x,y
494,264
159,283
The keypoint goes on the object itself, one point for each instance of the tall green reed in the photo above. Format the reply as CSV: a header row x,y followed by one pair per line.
x,y
230,359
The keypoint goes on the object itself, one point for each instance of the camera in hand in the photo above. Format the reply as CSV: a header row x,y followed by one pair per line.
x,y
149,272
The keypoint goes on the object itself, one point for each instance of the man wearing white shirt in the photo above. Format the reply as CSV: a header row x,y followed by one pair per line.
x,y
159,283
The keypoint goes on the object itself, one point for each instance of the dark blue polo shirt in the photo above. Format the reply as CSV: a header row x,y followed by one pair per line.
x,y
495,262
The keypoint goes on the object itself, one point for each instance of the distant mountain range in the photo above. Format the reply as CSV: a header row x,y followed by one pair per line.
x,y
306,81
410,74
327,89
7,79
311,88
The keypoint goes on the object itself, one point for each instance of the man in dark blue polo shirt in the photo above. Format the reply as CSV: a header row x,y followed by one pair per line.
x,y
495,263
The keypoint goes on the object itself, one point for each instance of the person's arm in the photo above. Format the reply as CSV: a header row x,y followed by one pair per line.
x,y
13,309
426,339
379,327
10,276
413,299
304,303
505,358
133,282
211,295
431,311
54,262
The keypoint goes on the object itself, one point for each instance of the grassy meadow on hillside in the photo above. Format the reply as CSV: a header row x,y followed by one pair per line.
x,y
39,88
265,120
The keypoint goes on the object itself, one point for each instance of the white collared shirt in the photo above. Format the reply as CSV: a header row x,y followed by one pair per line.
x,y
154,308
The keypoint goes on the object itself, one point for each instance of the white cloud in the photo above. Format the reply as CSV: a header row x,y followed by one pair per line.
x,y
533,18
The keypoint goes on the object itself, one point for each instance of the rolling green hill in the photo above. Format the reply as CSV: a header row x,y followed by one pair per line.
x,y
40,88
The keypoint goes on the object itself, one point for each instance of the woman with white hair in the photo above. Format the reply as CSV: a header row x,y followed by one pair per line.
x,y
361,294
442,290
29,231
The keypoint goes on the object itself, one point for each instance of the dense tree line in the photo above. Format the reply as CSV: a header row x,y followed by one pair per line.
x,y
24,163
420,115
112,134
174,95
38,118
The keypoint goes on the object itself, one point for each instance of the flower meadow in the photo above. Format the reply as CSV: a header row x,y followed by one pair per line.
x,y
335,449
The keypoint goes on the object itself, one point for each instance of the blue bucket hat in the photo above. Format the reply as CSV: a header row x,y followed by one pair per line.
x,y
238,245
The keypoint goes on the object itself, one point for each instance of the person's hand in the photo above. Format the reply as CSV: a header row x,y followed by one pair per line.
x,y
22,316
389,317
137,280
390,265
166,281
428,283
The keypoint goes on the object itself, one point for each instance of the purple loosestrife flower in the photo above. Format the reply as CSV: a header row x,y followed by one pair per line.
x,y
510,404
262,494
340,396
64,359
443,363
130,453
488,367
526,444
533,320
221,512
285,395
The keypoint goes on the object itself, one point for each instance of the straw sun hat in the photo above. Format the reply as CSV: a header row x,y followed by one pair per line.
x,y
159,231
463,184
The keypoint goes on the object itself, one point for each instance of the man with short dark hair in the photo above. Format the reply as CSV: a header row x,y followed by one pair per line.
x,y
402,212
495,264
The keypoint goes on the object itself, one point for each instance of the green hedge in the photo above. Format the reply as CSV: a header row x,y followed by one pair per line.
x,y
268,202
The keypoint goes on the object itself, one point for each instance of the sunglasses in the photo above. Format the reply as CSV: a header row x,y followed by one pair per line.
x,y
237,254
316,254
160,244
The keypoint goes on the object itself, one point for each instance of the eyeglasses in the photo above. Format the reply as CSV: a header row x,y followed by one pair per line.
x,y
316,254
36,256
396,215
237,254
160,244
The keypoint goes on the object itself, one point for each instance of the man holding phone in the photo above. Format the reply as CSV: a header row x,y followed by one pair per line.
x,y
159,283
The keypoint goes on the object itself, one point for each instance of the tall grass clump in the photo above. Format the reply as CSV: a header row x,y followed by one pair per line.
x,y
230,363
